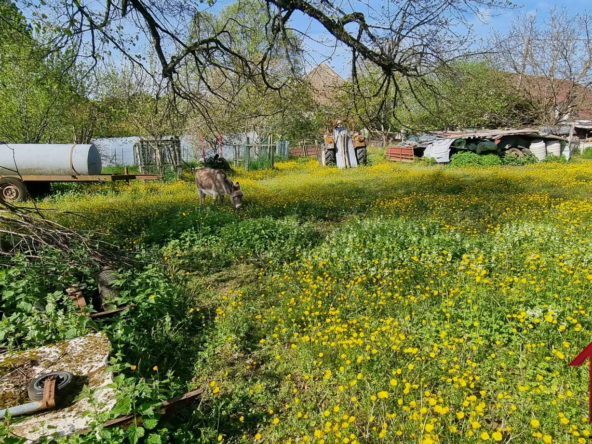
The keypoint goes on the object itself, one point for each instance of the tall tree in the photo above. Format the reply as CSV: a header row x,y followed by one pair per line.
x,y
404,39
460,95
551,62
241,103
36,88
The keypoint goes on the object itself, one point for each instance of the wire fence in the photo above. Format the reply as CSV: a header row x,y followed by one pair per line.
x,y
259,156
121,152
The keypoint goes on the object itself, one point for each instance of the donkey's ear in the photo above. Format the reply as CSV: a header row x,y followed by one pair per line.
x,y
237,185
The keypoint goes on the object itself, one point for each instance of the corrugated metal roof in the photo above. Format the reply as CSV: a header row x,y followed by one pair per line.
x,y
496,134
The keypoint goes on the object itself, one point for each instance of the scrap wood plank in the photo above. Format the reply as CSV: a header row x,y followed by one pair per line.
x,y
107,313
167,407
400,153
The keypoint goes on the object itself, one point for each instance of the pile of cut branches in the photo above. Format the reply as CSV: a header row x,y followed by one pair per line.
x,y
27,231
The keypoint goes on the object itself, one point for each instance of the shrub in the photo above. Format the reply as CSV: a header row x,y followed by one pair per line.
x,y
587,154
513,159
552,158
428,161
468,158
490,159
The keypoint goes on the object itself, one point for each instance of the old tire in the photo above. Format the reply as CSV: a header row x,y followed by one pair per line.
x,y
13,190
329,157
527,152
362,156
516,152
64,384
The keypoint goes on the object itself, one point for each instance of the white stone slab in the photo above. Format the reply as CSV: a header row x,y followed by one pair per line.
x,y
86,356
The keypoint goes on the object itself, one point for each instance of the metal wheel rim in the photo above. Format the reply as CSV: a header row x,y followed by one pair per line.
x,y
10,192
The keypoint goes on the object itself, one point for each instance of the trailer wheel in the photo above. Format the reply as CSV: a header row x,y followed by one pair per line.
x,y
516,152
13,190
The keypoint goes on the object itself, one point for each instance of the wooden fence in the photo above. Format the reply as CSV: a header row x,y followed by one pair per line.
x,y
306,151
154,155
307,148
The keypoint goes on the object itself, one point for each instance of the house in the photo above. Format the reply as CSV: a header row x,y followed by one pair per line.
x,y
560,100
325,83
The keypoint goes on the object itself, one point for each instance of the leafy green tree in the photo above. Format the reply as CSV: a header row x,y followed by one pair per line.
x,y
461,95
36,88
239,102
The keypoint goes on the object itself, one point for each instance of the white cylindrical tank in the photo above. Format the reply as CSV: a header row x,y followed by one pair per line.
x,y
49,159
554,147
538,149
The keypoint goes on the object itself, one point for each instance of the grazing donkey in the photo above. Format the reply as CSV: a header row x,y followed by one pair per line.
x,y
216,183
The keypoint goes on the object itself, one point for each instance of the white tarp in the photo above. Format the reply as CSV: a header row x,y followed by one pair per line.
x,y
566,150
439,150
345,153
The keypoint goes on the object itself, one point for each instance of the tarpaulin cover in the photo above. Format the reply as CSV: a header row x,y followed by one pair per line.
x,y
345,153
565,150
439,150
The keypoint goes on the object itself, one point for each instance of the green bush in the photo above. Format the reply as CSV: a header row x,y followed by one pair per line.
x,y
429,161
513,159
552,158
468,158
587,154
490,159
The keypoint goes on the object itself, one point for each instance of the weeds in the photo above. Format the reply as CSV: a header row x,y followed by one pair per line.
x,y
382,304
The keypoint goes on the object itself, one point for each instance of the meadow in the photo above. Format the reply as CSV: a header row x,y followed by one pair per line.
x,y
385,303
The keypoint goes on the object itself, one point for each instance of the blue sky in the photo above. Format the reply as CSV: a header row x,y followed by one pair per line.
x,y
338,58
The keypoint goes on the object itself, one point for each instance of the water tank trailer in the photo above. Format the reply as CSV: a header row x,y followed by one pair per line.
x,y
28,169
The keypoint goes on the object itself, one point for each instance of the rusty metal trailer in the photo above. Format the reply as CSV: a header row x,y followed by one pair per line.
x,y
16,188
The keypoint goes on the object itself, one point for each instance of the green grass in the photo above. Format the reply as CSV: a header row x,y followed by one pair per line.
x,y
386,303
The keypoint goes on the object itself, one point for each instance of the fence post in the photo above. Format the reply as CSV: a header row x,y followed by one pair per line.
x,y
272,155
246,154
